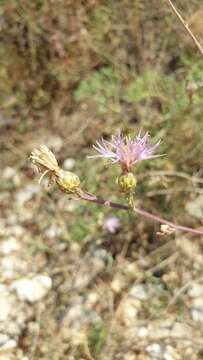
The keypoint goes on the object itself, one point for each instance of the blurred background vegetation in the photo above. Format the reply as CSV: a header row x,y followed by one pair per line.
x,y
73,71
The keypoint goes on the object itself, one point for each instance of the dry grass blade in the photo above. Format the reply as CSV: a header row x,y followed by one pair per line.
x,y
185,25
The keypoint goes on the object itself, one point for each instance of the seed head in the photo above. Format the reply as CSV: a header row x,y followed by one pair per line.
x,y
48,165
44,159
68,181
127,182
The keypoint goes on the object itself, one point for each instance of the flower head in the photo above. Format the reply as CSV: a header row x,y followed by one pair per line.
x,y
45,161
47,164
125,150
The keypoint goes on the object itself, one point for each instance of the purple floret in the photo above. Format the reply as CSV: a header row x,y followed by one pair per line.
x,y
125,150
112,224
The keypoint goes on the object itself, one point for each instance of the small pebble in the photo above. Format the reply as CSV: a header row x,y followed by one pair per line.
x,y
139,292
197,315
142,332
6,303
195,207
55,143
68,164
155,350
26,194
128,311
33,289
196,290
10,245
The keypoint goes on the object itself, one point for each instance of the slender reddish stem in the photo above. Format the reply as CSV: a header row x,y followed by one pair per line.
x,y
139,211
163,221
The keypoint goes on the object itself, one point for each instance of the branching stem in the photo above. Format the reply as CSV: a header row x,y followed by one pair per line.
x,y
141,212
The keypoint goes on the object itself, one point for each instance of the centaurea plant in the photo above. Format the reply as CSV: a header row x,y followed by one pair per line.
x,y
122,150
127,152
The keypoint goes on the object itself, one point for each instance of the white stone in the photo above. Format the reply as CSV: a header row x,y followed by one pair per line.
x,y
11,264
33,289
53,231
6,303
168,356
9,246
131,270
68,164
195,207
130,356
9,345
117,284
26,194
10,174
171,354
139,292
74,247
196,290
15,230
198,303
128,310
6,357
142,332
55,142
3,339
180,330
154,350
75,312
92,299
197,315
197,309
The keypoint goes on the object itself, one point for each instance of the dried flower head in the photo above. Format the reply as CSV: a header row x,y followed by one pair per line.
x,y
125,150
166,230
45,161
45,158
47,164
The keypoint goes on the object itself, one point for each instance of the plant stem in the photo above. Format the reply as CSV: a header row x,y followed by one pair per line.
x,y
185,25
139,211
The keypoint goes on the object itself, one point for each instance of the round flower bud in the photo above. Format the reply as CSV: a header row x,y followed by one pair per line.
x,y
68,181
127,182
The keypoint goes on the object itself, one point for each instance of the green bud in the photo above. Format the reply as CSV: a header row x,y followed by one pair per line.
x,y
127,182
68,181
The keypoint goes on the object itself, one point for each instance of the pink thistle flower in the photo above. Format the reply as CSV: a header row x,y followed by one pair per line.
x,y
125,150
112,224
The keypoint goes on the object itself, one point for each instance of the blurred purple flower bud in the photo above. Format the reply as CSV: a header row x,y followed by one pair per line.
x,y
112,224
